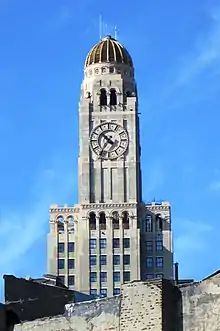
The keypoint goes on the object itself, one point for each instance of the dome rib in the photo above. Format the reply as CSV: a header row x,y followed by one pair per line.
x,y
120,50
108,50
114,52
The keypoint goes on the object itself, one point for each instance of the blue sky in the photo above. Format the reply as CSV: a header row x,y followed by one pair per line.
x,y
176,50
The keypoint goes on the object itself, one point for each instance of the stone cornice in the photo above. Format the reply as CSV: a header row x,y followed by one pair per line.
x,y
108,205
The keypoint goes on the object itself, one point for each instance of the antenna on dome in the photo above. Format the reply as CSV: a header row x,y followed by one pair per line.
x,y
115,32
100,26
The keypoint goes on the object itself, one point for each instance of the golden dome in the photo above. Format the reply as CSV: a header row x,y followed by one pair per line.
x,y
108,50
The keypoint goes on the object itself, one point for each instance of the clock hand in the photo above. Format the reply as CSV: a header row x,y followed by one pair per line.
x,y
103,147
108,139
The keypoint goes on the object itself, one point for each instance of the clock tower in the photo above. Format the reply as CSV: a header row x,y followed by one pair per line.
x,y
105,234
109,157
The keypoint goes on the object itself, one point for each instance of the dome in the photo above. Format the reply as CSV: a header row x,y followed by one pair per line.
x,y
108,50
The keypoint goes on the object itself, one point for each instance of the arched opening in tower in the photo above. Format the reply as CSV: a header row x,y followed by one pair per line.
x,y
102,221
103,97
60,224
92,221
159,223
113,98
70,224
115,220
125,220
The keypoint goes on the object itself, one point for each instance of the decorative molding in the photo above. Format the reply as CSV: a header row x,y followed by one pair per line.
x,y
156,208
64,210
109,205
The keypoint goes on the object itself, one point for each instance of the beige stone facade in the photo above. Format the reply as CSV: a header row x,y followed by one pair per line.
x,y
110,237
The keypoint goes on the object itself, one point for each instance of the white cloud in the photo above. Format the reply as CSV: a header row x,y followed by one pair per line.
x,y
191,236
20,230
205,54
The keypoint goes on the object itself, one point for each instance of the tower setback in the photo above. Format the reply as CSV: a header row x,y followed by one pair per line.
x,y
111,236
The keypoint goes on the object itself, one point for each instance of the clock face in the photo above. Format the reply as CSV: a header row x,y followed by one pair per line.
x,y
109,140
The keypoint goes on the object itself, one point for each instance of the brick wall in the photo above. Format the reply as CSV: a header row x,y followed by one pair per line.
x,y
155,305
141,306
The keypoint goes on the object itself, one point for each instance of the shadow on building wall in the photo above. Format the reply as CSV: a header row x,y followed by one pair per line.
x,y
26,300
11,319
172,308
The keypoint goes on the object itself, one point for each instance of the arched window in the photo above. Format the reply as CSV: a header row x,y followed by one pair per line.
x,y
70,223
113,97
103,97
159,223
102,221
115,220
92,221
60,225
148,224
125,220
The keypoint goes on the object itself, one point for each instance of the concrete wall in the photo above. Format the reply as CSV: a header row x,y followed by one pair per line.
x,y
139,307
96,315
201,305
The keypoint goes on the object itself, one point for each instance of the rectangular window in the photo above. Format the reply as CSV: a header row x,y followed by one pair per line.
x,y
127,276
71,264
149,246
103,259
116,276
62,278
148,224
92,260
149,276
103,292
93,277
93,292
103,243
92,243
149,262
126,259
116,291
116,259
71,247
71,280
159,245
159,262
103,277
61,263
126,242
116,243
159,276
61,248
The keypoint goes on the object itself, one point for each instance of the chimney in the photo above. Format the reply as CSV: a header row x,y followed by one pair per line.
x,y
176,273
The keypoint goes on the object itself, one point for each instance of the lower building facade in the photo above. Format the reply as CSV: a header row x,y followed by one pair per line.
x,y
95,249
